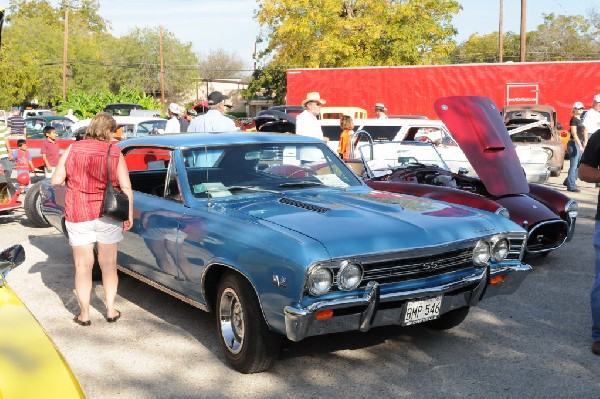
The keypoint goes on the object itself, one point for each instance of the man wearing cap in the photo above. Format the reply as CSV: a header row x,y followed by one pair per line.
x,y
307,123
380,111
173,122
575,146
213,120
591,121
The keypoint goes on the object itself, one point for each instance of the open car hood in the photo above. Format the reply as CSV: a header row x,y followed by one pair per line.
x,y
476,124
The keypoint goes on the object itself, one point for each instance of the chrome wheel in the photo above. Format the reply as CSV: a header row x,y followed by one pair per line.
x,y
231,317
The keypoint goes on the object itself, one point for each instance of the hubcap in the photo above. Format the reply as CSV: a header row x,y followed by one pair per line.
x,y
231,317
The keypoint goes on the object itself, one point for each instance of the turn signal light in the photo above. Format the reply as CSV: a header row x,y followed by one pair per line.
x,y
497,279
324,314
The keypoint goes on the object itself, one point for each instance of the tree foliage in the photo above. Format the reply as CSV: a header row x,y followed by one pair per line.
x,y
334,33
349,33
220,64
31,64
558,38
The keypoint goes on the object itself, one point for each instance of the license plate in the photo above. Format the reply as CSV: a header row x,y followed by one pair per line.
x,y
423,310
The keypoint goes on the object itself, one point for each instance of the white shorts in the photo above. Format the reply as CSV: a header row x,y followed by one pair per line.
x,y
104,230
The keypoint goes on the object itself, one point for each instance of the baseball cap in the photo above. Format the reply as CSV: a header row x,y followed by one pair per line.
x,y
597,98
578,105
174,108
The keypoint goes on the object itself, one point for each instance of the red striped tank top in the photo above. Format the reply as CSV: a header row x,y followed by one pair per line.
x,y
86,178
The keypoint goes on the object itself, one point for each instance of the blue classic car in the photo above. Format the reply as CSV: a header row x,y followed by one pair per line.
x,y
277,237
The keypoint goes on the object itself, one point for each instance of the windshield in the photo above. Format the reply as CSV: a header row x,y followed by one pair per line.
x,y
382,158
246,169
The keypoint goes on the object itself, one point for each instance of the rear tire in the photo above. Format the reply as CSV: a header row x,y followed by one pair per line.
x,y
449,320
246,340
32,204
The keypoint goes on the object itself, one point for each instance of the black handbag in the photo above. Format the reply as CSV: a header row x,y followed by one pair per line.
x,y
115,203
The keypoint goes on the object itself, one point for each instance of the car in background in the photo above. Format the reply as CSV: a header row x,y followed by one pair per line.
x,y
536,125
533,159
35,125
31,366
292,110
279,239
127,127
28,113
121,109
338,112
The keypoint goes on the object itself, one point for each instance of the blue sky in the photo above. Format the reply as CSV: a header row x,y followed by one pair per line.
x,y
229,24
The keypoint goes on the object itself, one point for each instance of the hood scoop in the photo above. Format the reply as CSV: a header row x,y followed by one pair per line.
x,y
304,205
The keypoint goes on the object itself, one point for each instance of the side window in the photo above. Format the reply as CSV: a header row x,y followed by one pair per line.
x,y
148,170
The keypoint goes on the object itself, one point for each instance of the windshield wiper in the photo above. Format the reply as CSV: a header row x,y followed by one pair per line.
x,y
249,188
301,183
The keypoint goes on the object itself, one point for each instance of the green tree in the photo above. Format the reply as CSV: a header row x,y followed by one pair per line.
x,y
334,33
484,48
562,38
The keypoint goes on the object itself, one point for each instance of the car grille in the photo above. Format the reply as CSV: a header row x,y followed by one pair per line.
x,y
547,236
404,268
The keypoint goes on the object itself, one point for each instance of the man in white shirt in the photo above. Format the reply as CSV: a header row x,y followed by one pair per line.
x,y
173,122
307,123
592,116
213,120
380,111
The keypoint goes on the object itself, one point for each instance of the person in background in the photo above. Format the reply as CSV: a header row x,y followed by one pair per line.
x,y
23,158
15,125
347,125
6,158
307,123
380,111
50,151
591,121
184,122
575,146
82,167
173,122
213,120
191,114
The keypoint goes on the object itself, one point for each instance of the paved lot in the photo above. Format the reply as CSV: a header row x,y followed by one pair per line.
x,y
533,344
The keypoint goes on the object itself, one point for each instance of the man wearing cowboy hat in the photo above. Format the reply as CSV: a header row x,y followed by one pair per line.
x,y
380,111
307,123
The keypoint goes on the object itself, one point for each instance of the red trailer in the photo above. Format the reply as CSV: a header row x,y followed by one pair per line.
x,y
412,90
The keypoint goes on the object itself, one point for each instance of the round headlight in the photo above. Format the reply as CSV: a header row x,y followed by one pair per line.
x,y
500,250
572,209
319,281
349,276
481,253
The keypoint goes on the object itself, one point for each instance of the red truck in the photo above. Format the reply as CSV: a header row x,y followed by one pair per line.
x,y
412,90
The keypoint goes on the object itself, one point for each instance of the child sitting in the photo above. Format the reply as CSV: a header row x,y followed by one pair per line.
x,y
23,158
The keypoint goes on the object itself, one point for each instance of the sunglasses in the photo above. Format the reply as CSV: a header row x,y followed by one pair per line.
x,y
579,109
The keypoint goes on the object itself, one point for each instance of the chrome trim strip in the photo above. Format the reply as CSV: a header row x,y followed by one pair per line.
x,y
164,289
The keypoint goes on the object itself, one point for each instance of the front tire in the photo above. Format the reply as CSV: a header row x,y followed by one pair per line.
x,y
449,320
248,343
32,204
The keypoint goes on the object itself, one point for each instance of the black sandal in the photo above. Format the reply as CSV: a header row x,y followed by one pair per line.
x,y
114,319
81,322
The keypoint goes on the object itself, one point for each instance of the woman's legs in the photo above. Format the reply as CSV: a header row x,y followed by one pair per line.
x,y
574,153
107,257
83,257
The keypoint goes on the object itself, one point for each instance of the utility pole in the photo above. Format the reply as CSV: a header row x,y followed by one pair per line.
x,y
66,5
501,33
523,29
162,68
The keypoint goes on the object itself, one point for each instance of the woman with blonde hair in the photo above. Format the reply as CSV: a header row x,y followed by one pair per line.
x,y
347,125
83,168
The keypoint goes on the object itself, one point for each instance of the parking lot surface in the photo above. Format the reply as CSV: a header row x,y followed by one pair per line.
x,y
532,344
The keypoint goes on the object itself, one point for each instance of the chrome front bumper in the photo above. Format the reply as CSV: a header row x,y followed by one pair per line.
x,y
374,309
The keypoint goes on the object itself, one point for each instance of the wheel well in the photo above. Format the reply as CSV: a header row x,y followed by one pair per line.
x,y
211,282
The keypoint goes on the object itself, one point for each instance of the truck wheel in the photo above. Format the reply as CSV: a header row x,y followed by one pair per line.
x,y
449,320
248,343
32,204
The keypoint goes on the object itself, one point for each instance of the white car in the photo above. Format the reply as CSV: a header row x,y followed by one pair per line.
x,y
127,127
533,159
